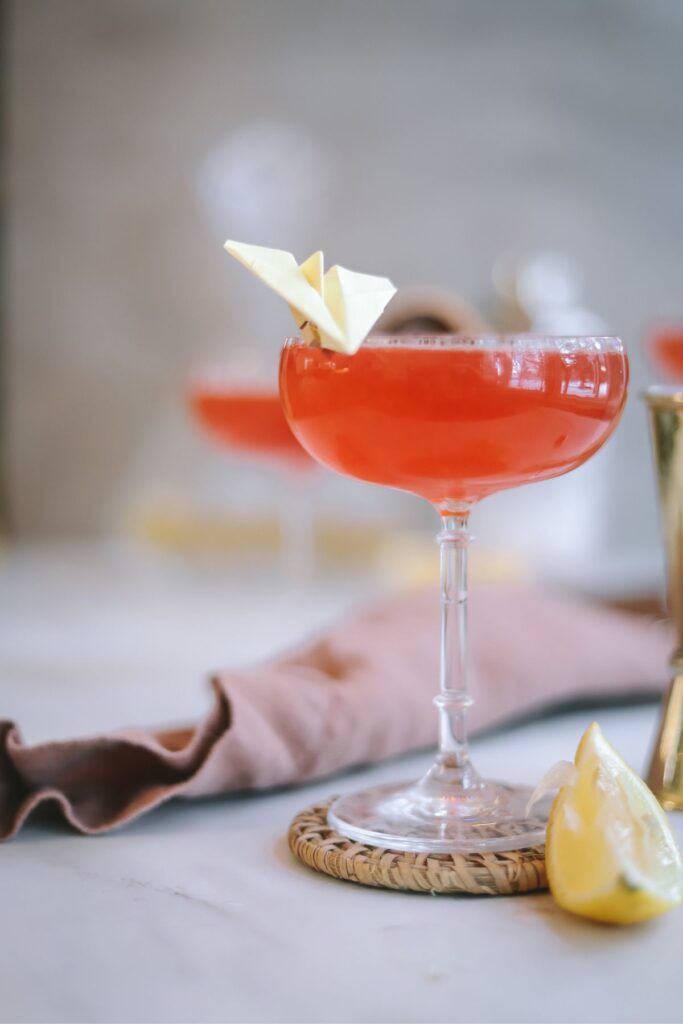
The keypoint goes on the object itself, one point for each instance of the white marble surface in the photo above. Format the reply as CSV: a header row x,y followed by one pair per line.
x,y
198,912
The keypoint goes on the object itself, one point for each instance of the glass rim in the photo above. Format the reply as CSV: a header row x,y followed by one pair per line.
x,y
486,340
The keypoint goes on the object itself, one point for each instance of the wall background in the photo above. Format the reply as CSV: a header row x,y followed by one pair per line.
x,y
448,132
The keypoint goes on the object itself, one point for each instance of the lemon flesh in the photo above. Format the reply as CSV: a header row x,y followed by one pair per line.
x,y
610,852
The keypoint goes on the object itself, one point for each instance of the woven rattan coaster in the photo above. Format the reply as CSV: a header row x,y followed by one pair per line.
x,y
316,844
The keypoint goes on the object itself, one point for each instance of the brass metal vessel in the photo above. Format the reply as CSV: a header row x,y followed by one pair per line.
x,y
665,405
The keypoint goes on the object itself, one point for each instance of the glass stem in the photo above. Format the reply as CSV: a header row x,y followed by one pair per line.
x,y
297,528
453,698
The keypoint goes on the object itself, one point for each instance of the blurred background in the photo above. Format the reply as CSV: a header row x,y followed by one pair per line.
x,y
522,157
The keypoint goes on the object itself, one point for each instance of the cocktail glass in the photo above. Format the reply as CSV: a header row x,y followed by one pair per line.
x,y
452,419
245,416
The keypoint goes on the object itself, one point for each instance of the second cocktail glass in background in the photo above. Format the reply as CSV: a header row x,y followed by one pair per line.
x,y
241,410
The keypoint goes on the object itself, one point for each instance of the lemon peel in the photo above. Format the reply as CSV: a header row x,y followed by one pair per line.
x,y
562,773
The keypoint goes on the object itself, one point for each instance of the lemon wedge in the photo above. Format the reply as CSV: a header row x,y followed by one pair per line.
x,y
610,852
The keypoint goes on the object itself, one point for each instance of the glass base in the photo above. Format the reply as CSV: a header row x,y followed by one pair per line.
x,y
490,818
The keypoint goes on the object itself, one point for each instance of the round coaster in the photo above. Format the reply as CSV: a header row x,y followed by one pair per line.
x,y
320,847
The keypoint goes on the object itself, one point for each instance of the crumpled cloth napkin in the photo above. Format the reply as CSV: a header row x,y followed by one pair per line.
x,y
360,692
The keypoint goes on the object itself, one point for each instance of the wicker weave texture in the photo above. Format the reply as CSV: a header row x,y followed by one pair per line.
x,y
491,874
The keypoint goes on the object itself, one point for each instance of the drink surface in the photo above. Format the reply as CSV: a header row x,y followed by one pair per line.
x,y
247,420
452,424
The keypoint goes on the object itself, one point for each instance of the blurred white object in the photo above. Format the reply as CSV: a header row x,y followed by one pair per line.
x,y
542,294
266,181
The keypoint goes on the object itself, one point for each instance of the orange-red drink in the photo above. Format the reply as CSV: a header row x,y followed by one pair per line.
x,y
666,348
452,424
247,420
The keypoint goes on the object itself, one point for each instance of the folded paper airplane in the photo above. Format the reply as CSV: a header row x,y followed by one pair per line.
x,y
336,310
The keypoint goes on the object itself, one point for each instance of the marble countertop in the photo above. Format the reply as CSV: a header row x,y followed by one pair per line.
x,y
198,912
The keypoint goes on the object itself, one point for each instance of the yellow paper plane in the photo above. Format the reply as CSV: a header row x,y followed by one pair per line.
x,y
336,309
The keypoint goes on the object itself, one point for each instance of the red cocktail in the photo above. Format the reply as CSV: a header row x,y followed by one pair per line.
x,y
452,424
452,419
247,420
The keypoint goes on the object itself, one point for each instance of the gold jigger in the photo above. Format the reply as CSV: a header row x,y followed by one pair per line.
x,y
665,775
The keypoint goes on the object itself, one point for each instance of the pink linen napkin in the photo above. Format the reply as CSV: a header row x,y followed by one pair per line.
x,y
362,691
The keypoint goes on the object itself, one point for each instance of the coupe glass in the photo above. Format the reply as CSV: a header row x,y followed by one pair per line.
x,y
241,410
452,419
